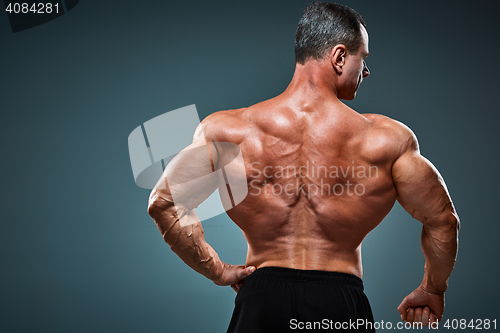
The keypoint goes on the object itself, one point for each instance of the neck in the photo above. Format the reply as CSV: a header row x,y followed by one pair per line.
x,y
311,84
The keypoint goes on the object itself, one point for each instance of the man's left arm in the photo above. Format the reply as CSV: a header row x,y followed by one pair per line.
x,y
187,181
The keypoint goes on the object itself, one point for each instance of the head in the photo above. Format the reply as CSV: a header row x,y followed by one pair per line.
x,y
336,34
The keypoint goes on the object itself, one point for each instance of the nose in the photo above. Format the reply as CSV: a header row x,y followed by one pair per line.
x,y
366,71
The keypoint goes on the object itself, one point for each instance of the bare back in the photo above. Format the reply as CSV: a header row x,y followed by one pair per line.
x,y
319,176
318,180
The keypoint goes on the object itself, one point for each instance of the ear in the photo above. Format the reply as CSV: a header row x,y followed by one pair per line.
x,y
337,57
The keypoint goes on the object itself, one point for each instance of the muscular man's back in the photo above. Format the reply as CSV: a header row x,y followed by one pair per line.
x,y
319,180
320,177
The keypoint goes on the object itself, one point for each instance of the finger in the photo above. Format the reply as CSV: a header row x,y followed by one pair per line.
x,y
402,308
418,315
234,288
433,318
410,315
425,316
433,321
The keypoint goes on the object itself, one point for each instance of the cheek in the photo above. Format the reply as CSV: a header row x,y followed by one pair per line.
x,y
356,71
353,72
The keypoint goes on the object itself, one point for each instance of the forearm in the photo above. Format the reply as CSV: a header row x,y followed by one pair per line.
x,y
187,239
440,246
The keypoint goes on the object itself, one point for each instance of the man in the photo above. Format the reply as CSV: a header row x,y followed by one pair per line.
x,y
320,177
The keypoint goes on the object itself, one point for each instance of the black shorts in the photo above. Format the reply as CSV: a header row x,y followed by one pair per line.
x,y
277,299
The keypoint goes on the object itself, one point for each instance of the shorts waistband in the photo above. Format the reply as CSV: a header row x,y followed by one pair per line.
x,y
313,276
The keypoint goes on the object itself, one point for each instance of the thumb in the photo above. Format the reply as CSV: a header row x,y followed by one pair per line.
x,y
247,271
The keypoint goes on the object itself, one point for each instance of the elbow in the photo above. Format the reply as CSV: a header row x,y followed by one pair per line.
x,y
154,207
457,222
449,221
158,205
151,207
453,221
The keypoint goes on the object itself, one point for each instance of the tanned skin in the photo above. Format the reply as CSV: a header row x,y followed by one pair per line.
x,y
308,125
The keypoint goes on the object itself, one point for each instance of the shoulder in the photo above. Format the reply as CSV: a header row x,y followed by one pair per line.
x,y
394,131
223,126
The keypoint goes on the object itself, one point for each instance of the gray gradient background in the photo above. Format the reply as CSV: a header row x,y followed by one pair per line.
x,y
79,252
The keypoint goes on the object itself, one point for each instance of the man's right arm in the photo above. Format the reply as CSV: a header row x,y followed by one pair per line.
x,y
423,194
